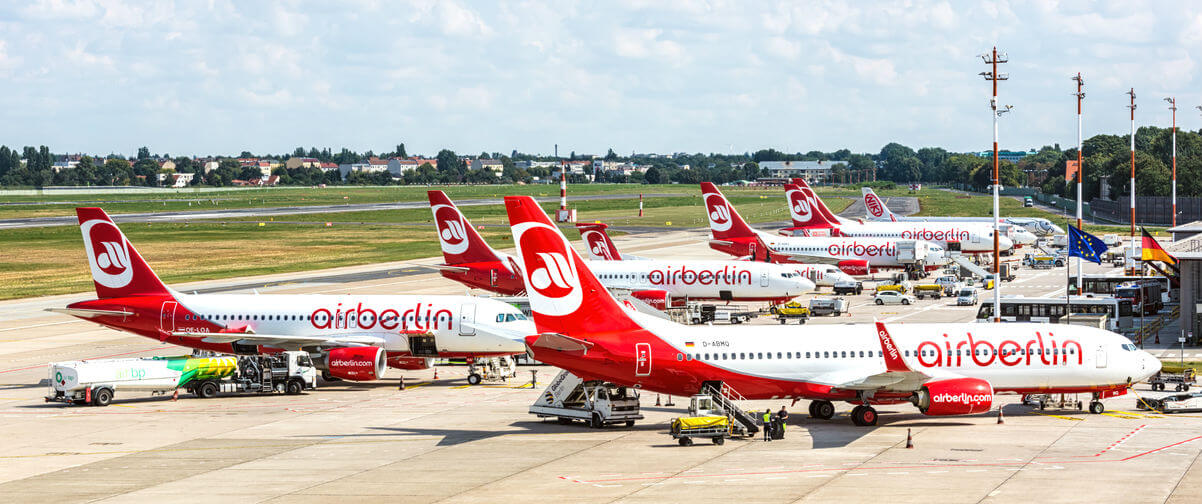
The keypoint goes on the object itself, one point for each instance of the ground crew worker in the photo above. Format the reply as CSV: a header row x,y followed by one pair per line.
x,y
783,415
768,424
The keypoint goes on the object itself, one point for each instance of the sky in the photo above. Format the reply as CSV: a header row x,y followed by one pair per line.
x,y
220,77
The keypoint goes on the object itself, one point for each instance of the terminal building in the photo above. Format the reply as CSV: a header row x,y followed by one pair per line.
x,y
814,172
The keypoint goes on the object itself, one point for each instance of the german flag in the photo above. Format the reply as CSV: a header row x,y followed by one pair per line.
x,y
1153,251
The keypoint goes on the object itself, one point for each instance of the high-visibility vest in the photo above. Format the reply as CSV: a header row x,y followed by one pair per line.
x,y
767,418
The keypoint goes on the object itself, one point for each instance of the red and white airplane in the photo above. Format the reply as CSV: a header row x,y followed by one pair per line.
x,y
349,337
1015,228
943,369
471,261
810,218
855,256
602,248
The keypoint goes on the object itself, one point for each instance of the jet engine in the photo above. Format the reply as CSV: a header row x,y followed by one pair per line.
x,y
658,299
854,266
955,396
354,363
410,363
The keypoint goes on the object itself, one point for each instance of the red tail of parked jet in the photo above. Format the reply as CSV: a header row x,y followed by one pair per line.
x,y
469,259
600,247
117,268
731,234
558,279
805,211
817,203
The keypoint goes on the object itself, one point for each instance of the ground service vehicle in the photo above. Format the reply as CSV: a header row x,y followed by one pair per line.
x,y
584,329
1145,297
828,306
1181,381
900,288
595,402
892,297
706,421
1106,284
1042,261
1006,272
1028,202
1176,403
966,297
696,313
1024,309
791,310
923,291
97,382
849,287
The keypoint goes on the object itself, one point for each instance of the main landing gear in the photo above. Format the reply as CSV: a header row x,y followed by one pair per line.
x,y
864,416
822,409
1095,406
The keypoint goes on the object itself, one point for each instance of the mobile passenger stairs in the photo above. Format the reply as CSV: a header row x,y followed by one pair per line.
x,y
595,402
727,400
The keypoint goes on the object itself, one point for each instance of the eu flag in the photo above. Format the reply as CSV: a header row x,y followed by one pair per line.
x,y
1085,245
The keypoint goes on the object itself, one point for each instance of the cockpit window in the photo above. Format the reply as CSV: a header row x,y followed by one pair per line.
x,y
1129,347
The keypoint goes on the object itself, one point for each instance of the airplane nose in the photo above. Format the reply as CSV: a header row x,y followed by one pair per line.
x,y
1005,243
1151,366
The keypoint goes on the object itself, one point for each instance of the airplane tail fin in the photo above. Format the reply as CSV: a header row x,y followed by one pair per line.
x,y
875,207
565,296
460,242
804,212
725,222
118,270
816,202
600,247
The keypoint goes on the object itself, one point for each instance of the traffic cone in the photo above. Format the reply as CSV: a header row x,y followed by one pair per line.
x,y
657,400
435,373
909,439
1000,418
175,395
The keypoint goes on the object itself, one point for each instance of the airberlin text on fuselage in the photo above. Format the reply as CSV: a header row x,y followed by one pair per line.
x,y
857,249
420,317
935,234
1008,352
727,275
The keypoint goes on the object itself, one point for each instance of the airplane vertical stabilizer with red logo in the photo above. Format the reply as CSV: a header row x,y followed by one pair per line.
x,y
460,242
875,207
817,203
118,270
725,222
804,211
565,296
600,246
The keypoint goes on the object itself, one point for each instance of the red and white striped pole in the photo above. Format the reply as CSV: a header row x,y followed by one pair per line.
x,y
640,205
1132,107
563,186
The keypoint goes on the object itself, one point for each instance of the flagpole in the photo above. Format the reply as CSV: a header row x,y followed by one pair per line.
x,y
1080,165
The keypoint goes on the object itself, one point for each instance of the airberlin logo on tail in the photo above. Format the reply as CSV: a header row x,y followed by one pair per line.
x,y
800,206
718,211
108,253
451,232
873,204
598,245
551,274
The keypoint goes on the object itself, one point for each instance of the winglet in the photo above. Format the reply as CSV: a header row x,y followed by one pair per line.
x,y
893,356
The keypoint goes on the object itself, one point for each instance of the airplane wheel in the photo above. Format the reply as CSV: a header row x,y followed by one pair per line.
x,y
1096,408
864,416
813,414
824,410
474,379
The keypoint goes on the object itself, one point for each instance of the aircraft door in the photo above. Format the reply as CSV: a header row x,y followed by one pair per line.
x,y
467,320
642,359
167,316
763,279
751,250
1101,357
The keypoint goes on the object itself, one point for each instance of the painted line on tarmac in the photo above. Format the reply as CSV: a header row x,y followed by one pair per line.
x,y
1062,417
40,325
210,448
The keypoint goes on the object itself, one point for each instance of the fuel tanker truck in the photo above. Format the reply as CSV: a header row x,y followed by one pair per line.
x,y
96,382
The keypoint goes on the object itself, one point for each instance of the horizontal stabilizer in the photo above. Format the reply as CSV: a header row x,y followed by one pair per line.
x,y
444,267
554,341
87,313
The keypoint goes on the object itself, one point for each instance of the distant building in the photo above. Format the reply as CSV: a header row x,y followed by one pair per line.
x,y
210,166
64,165
328,166
295,162
397,166
812,171
1005,155
494,165
368,167
167,164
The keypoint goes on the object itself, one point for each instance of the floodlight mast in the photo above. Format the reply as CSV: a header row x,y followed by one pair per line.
x,y
1173,106
1132,107
1080,175
992,59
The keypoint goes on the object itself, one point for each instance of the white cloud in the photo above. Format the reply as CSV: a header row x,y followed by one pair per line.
x,y
461,21
646,43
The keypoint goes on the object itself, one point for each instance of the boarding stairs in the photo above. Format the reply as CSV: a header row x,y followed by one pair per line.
x,y
1043,246
728,398
966,263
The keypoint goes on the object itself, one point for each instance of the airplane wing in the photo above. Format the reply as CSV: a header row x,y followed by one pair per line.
x,y
897,374
287,342
809,259
443,267
87,313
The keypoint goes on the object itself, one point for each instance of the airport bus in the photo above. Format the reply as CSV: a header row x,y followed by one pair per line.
x,y
1025,309
1106,284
